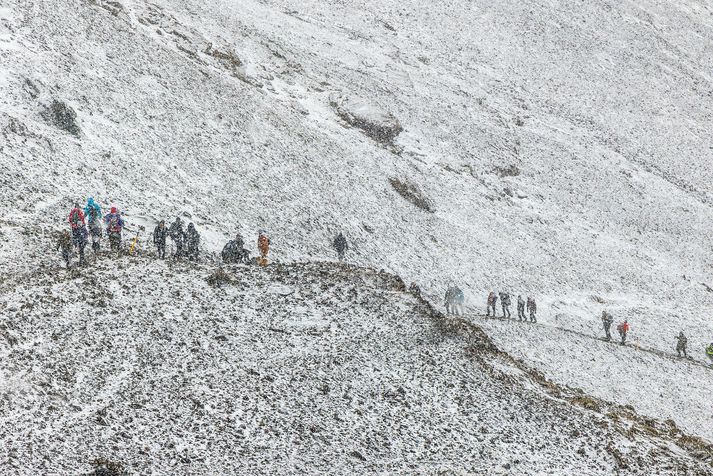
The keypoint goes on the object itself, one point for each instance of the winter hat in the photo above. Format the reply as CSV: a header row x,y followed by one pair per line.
x,y
113,209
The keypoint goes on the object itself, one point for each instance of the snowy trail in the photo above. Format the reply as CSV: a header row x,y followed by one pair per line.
x,y
613,342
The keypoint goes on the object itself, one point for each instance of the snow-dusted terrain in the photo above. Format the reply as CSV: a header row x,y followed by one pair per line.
x,y
316,368
556,149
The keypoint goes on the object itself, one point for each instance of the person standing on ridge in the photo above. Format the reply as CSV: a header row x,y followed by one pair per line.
x,y
532,308
64,243
340,245
681,343
492,301
114,226
623,329
607,321
79,231
159,239
263,246
178,236
505,303
521,308
93,213
192,241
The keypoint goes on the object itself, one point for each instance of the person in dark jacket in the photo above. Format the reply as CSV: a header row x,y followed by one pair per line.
x,y
607,321
159,239
521,308
505,303
64,244
492,301
681,343
192,242
532,308
340,245
234,251
178,236
114,227
79,231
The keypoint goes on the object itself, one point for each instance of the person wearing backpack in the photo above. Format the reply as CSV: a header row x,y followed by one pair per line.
x,y
505,303
234,251
492,301
76,217
532,308
607,321
521,308
93,214
263,246
192,242
114,226
178,236
681,343
623,329
340,245
64,243
159,239
79,231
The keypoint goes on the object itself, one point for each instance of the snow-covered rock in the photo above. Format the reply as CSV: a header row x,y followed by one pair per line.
x,y
376,123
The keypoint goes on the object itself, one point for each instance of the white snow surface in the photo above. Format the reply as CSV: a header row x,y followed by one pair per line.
x,y
565,148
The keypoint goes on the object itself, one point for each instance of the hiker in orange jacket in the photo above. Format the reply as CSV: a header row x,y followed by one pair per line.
x,y
263,246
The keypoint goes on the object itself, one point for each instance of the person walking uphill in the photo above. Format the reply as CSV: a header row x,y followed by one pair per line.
x,y
532,308
192,241
521,308
178,236
681,343
607,321
492,301
340,245
64,243
159,239
263,246
93,213
114,227
79,231
623,329
505,303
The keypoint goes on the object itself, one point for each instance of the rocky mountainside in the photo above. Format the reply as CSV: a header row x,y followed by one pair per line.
x,y
551,149
152,367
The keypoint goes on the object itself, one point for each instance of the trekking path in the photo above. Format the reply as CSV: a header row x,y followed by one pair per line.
x,y
163,367
653,383
630,343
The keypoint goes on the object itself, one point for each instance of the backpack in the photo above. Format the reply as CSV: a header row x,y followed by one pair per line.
x,y
74,218
114,224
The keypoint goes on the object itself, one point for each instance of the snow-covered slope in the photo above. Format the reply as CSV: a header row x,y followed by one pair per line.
x,y
561,149
294,369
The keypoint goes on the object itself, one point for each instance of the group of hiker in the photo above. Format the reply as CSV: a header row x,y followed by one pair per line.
x,y
186,242
623,329
454,300
505,303
88,224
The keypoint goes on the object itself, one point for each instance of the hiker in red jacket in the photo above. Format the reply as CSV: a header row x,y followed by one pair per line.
x,y
623,328
76,217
